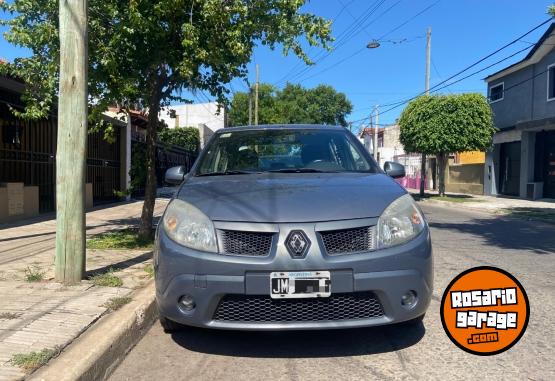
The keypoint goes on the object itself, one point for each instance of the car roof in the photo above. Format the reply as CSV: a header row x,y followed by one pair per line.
x,y
281,127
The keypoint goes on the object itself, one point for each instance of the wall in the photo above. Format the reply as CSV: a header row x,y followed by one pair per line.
x,y
526,101
192,115
465,178
471,157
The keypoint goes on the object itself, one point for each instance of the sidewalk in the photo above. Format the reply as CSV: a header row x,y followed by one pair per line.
x,y
44,315
543,209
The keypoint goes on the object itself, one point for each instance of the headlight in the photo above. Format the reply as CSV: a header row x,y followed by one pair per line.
x,y
400,222
189,227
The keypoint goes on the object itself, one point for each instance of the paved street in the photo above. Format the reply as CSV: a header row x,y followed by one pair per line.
x,y
462,239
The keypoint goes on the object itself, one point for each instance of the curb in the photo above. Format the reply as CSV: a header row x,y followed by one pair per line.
x,y
501,212
95,354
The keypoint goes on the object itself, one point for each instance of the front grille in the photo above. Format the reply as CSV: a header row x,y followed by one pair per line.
x,y
255,244
263,309
349,240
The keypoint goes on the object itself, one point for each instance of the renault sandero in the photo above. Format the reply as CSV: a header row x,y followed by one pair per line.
x,y
289,227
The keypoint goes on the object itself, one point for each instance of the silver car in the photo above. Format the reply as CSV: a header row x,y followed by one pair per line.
x,y
290,227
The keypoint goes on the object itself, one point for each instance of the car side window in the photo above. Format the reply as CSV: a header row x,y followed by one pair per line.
x,y
360,163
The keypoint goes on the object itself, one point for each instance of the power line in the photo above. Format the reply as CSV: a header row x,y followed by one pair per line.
x,y
408,21
342,38
436,86
365,26
381,38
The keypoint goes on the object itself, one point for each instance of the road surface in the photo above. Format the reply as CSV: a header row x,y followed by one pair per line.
x,y
461,239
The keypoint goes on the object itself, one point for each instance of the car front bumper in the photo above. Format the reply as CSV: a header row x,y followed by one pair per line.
x,y
208,278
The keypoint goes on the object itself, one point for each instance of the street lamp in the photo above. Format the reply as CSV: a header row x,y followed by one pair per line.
x,y
373,44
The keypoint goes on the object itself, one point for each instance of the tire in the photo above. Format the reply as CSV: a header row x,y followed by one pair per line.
x,y
170,326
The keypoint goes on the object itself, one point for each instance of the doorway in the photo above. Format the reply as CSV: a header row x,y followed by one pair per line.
x,y
509,169
545,162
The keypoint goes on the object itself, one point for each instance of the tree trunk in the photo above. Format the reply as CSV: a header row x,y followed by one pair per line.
x,y
441,161
145,229
422,174
71,151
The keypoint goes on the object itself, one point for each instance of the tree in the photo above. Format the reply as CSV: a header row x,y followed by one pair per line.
x,y
443,124
147,52
239,108
294,104
184,137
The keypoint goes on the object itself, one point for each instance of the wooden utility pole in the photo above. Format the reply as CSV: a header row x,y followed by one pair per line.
x,y
72,143
427,89
250,105
375,139
256,97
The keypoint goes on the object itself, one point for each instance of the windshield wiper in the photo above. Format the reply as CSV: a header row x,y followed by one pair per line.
x,y
229,172
300,170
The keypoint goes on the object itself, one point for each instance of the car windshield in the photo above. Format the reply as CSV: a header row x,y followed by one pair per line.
x,y
287,150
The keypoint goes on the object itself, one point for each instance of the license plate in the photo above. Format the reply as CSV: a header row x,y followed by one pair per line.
x,y
300,284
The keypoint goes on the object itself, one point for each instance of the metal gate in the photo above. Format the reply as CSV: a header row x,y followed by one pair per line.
x,y
27,153
103,166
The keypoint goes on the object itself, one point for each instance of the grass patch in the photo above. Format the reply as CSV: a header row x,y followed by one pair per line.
x,y
114,304
9,315
533,213
149,269
120,239
34,360
107,279
34,274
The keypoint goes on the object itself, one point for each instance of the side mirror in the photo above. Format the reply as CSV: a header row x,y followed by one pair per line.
x,y
394,169
175,175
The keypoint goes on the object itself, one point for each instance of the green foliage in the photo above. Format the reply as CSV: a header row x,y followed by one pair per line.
x,y
149,269
551,10
34,360
120,239
138,170
115,303
184,137
293,104
443,124
107,279
447,124
146,52
141,48
34,274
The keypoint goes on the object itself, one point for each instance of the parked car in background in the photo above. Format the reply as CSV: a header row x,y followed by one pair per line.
x,y
290,227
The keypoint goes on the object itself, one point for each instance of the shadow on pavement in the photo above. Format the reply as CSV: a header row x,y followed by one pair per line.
x,y
507,233
120,265
301,344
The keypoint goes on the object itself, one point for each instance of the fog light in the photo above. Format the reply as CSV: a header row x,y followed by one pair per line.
x,y
409,299
187,302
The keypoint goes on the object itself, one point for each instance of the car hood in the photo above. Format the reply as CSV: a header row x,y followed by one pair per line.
x,y
295,197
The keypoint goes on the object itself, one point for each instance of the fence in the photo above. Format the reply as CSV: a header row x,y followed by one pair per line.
x,y
412,163
167,156
28,155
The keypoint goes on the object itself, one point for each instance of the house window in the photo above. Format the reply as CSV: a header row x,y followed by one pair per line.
x,y
497,92
551,82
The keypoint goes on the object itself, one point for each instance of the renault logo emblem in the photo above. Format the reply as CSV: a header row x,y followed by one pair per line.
x,y
297,244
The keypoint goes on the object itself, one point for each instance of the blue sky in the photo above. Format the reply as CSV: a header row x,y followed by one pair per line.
x,y
462,33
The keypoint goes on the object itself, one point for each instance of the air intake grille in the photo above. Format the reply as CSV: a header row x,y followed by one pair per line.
x,y
257,308
349,240
253,244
